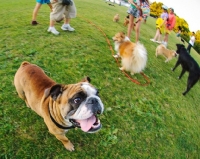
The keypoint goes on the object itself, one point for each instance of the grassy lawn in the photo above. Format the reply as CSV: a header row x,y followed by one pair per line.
x,y
154,121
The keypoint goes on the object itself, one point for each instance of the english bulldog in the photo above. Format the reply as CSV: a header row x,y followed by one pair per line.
x,y
61,106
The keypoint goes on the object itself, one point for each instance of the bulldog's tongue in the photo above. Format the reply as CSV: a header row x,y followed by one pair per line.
x,y
86,124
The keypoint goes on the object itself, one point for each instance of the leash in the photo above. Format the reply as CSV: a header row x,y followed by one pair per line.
x,y
112,51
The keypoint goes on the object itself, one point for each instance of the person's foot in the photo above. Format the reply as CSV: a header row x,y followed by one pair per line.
x,y
164,43
34,22
67,27
53,30
159,42
153,40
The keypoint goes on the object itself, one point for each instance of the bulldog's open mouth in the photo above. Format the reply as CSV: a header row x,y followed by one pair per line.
x,y
91,124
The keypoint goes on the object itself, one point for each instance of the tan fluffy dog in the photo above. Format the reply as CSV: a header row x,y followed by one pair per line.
x,y
61,106
116,18
133,55
126,20
168,54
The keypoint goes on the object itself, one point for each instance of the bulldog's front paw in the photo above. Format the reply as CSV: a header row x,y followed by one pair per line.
x,y
69,146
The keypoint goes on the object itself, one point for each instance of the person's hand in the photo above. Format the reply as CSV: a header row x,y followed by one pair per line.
x,y
130,1
138,7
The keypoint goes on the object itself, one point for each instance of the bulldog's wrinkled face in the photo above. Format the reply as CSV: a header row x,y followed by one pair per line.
x,y
80,104
86,105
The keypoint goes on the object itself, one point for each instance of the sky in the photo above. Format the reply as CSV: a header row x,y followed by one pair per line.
x,y
186,9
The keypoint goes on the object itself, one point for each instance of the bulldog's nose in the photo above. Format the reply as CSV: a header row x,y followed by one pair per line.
x,y
94,105
92,101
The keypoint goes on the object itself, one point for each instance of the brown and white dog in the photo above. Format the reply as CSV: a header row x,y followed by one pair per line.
x,y
62,106
168,54
133,55
116,18
126,20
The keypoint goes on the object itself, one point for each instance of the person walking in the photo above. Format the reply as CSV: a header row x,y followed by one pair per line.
x,y
61,11
171,21
36,9
191,42
160,25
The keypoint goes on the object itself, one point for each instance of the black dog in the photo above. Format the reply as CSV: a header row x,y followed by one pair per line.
x,y
188,64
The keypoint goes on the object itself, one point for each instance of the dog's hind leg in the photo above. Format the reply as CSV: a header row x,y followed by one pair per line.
x,y
167,60
182,73
22,95
156,52
122,68
190,83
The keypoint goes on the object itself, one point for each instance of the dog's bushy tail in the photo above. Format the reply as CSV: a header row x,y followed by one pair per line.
x,y
139,58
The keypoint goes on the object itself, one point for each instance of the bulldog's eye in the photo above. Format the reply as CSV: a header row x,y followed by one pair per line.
x,y
97,93
77,100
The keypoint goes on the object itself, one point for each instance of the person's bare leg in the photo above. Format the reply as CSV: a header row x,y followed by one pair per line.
x,y
67,20
137,29
52,23
130,25
35,11
166,37
157,35
50,6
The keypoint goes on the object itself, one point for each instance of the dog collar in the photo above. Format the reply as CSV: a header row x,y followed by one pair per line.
x,y
58,125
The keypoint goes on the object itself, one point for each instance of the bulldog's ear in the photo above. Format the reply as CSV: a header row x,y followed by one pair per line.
x,y
86,79
55,91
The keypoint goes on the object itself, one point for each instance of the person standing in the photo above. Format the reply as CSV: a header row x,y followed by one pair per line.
x,y
134,12
178,34
191,42
145,9
59,12
36,9
171,21
160,25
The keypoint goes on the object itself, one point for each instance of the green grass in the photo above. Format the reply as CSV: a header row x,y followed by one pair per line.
x,y
153,121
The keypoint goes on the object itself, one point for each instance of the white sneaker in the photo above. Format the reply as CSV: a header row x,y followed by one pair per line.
x,y
164,43
159,42
53,30
153,40
67,27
